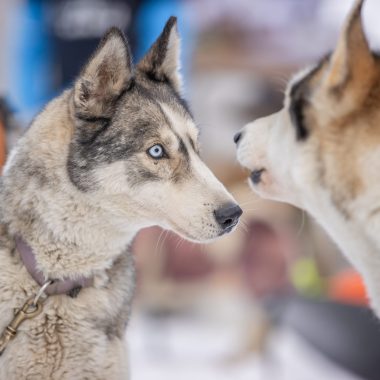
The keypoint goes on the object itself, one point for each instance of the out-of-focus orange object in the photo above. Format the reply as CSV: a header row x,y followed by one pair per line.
x,y
348,287
2,144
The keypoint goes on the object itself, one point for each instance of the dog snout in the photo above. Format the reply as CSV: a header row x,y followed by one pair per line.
x,y
237,137
228,216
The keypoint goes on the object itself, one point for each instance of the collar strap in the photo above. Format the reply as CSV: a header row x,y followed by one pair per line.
x,y
64,286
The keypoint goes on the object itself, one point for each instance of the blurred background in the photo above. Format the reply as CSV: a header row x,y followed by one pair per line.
x,y
274,300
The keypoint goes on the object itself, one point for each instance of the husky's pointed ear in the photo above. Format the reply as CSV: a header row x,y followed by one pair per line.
x,y
162,62
105,77
352,64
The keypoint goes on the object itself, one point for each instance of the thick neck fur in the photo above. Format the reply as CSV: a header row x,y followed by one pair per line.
x,y
69,232
352,238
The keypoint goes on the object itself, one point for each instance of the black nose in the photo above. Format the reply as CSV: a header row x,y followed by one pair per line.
x,y
237,137
228,215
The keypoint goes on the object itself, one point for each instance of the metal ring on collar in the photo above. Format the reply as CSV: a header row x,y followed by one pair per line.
x,y
42,291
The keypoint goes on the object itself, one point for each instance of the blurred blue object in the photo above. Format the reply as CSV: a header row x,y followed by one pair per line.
x,y
29,66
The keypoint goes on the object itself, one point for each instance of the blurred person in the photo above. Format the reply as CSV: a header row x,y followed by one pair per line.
x,y
265,259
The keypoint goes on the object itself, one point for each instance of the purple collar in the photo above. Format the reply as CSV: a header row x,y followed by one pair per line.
x,y
65,286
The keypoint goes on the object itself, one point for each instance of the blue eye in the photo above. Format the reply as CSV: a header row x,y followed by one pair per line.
x,y
156,151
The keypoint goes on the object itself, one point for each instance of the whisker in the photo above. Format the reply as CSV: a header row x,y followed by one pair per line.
x,y
158,241
179,241
242,227
163,241
244,223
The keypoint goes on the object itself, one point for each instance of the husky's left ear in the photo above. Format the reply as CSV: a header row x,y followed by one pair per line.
x,y
162,62
105,77
352,66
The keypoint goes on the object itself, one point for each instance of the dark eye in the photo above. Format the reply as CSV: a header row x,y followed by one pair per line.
x,y
156,151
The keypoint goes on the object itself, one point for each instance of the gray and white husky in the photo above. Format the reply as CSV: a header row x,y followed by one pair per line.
x,y
115,153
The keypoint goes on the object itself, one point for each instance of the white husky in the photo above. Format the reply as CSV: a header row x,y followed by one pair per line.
x,y
321,152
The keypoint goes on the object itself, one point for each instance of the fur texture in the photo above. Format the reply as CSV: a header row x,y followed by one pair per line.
x,y
321,152
78,186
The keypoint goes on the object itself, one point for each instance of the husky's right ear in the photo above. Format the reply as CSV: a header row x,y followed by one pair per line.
x,y
104,78
162,62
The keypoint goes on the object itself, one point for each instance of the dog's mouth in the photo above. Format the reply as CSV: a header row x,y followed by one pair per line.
x,y
193,236
256,175
224,221
211,236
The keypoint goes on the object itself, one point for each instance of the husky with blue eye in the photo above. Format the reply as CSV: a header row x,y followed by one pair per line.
x,y
321,152
115,153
